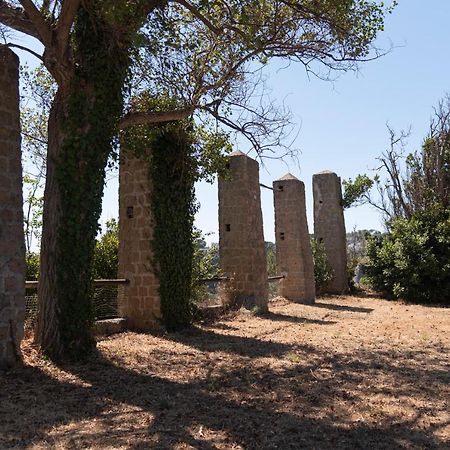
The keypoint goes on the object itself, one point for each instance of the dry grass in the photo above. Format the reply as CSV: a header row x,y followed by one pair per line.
x,y
355,373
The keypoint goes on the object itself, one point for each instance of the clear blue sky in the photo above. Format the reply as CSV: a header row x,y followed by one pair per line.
x,y
343,123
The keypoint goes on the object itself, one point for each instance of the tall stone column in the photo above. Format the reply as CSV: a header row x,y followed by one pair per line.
x,y
293,246
140,302
12,242
329,227
241,238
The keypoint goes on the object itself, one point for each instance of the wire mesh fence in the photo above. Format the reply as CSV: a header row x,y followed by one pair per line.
x,y
106,296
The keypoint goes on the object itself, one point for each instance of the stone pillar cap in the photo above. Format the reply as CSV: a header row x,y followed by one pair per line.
x,y
326,172
237,153
288,176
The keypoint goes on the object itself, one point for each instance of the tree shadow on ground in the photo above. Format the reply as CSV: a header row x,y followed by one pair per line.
x,y
278,317
334,307
207,340
250,405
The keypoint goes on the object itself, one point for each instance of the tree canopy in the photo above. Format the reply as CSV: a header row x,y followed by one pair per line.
x,y
207,53
203,55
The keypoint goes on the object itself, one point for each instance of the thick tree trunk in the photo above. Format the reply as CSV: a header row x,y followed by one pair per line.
x,y
82,125
48,331
72,206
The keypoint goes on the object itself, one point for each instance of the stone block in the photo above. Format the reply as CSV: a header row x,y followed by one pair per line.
x,y
241,239
141,296
293,246
12,248
329,227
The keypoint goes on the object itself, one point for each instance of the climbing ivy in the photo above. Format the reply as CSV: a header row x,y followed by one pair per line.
x,y
93,105
172,172
178,154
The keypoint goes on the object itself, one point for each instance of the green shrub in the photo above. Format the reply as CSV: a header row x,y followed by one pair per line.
x,y
205,264
106,253
412,262
323,273
32,266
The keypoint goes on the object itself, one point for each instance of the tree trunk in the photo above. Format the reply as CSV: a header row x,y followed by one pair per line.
x,y
73,194
82,126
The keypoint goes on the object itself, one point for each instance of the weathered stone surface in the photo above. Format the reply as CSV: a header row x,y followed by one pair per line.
x,y
12,244
107,327
241,238
140,304
329,226
293,247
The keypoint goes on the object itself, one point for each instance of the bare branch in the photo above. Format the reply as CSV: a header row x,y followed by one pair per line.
x,y
25,49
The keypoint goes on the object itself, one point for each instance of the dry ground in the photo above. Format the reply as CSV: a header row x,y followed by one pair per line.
x,y
354,373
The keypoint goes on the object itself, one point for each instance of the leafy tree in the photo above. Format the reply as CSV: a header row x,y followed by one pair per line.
x,y
412,261
205,265
105,261
323,273
355,192
90,49
106,253
32,266
33,203
38,90
357,251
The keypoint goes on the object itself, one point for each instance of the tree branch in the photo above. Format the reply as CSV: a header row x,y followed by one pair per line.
x,y
25,49
143,118
69,10
196,13
16,19
43,29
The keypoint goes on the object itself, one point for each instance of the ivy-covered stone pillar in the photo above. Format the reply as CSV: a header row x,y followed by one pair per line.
x,y
293,246
140,302
12,243
241,238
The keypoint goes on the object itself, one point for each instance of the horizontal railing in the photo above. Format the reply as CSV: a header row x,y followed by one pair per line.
x,y
100,282
104,300
276,278
217,279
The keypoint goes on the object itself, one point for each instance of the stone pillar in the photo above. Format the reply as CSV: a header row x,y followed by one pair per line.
x,y
241,238
294,255
12,242
140,302
329,226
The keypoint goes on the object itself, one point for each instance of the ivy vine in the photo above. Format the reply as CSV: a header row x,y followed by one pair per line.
x,y
177,154
94,105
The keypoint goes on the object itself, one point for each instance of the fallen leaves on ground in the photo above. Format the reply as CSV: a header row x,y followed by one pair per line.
x,y
347,372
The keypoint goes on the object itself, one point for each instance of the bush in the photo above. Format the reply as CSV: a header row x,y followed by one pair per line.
x,y
323,273
105,258
205,264
412,262
32,266
106,253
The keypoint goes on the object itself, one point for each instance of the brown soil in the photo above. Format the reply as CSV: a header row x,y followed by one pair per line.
x,y
354,373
